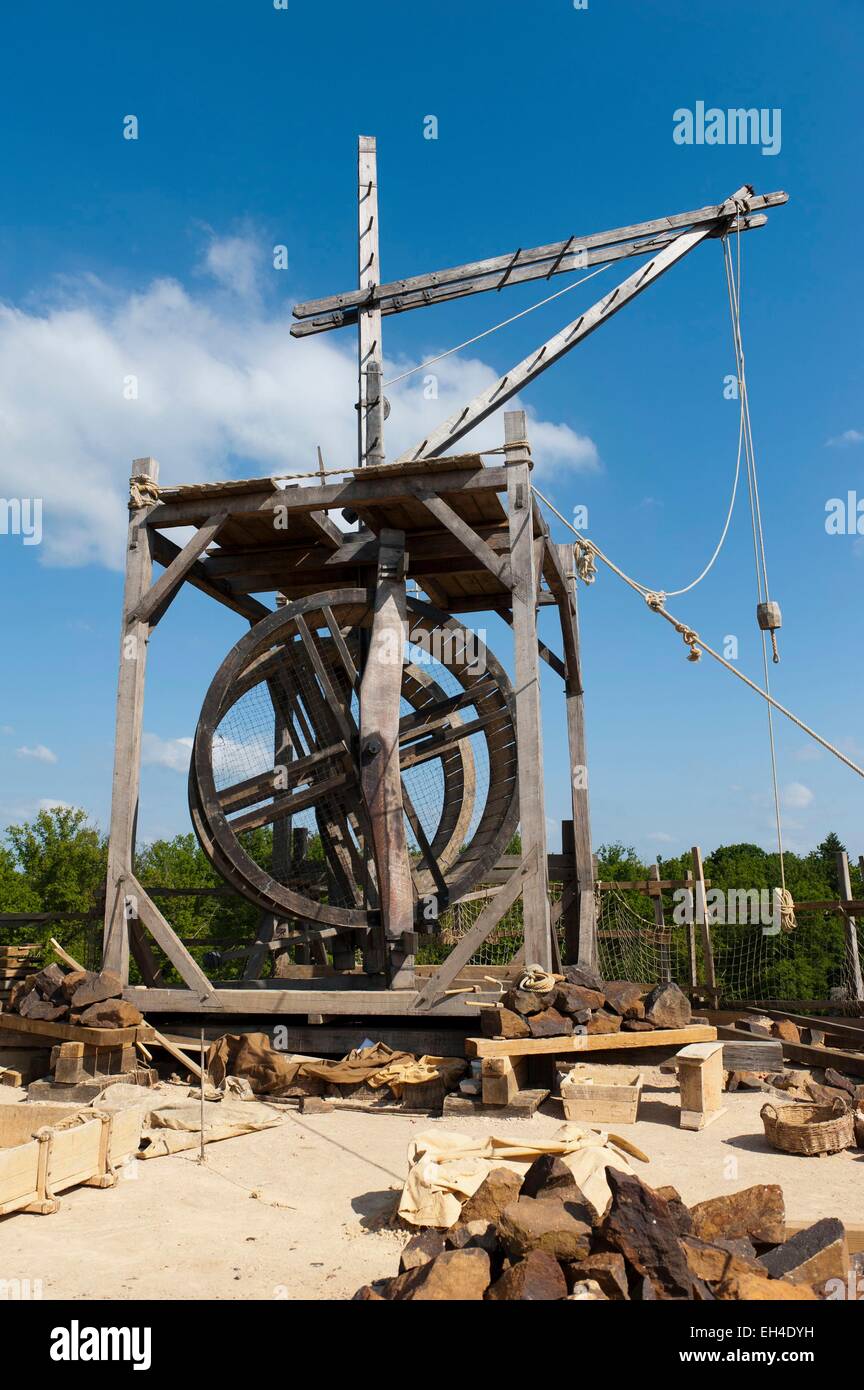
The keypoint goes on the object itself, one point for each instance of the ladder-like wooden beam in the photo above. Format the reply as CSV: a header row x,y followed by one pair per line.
x,y
556,347
533,263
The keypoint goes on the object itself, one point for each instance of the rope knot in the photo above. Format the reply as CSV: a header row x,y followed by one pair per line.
x,y
143,492
583,558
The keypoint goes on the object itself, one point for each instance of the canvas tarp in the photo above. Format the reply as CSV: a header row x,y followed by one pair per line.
x,y
445,1168
270,1072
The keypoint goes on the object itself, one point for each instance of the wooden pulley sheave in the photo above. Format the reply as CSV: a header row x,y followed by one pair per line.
x,y
770,620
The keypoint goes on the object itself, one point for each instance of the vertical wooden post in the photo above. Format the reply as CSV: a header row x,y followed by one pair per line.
x,y
586,949
704,925
665,961
532,810
691,935
570,914
134,636
370,387
850,927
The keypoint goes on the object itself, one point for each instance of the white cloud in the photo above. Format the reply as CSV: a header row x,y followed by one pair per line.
x,y
796,796
222,391
48,804
166,752
660,836
842,441
39,752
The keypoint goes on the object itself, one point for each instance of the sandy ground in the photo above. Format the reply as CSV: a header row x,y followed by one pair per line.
x,y
301,1211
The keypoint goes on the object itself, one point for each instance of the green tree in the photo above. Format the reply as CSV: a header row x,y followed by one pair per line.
x,y
61,858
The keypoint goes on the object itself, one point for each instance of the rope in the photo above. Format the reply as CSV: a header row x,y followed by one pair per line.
x,y
538,980
143,492
693,638
494,329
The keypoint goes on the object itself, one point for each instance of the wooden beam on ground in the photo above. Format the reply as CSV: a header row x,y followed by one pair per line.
x,y
588,1042
473,939
799,1052
269,1000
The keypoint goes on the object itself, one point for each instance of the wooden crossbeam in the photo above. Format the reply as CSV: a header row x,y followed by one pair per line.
x,y
491,915
488,401
149,915
160,594
538,262
165,551
467,537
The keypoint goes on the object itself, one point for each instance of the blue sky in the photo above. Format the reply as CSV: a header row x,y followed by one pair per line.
x,y
153,258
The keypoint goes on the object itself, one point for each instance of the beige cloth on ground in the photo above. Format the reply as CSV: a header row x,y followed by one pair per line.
x,y
175,1125
251,1055
446,1168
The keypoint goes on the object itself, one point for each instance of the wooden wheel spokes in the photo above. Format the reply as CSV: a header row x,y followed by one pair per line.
x,y
279,743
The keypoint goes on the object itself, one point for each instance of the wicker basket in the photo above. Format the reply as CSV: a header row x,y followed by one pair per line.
x,y
859,1129
808,1129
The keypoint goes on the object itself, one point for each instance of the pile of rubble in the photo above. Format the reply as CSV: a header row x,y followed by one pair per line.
x,y
90,998
536,1237
550,1006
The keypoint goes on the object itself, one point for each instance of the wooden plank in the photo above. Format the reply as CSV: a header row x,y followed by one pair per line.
x,y
704,924
585,1042
38,1028
380,696
134,636
554,258
370,352
474,938
390,485
532,805
165,937
268,1000
799,1052
160,594
850,929
586,913
467,537
550,352
165,552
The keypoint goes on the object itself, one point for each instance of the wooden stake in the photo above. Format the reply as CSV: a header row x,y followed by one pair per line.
x,y
850,929
704,925
370,397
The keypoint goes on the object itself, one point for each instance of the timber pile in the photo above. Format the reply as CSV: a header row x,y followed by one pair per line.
x,y
88,998
538,1238
15,966
557,1005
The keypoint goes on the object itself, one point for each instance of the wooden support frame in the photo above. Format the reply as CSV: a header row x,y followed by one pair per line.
x,y
850,927
157,598
532,812
702,921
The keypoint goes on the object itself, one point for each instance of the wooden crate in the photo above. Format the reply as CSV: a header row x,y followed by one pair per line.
x,y
45,1149
602,1094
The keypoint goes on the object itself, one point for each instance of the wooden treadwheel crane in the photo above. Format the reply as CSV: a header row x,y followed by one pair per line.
x,y
327,717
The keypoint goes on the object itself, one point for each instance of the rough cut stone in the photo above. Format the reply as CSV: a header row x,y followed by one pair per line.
x,y
550,1024
49,981
811,1256
535,1279
456,1276
422,1248
601,1022
713,1263
607,1268
625,998
679,1214
756,1212
667,1007
498,1189
787,1030
843,1083
573,999
549,1175
637,1025
562,1229
71,983
503,1023
96,987
580,975
760,1288
34,1006
368,1293
483,1234
525,1001
640,1227
111,1013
